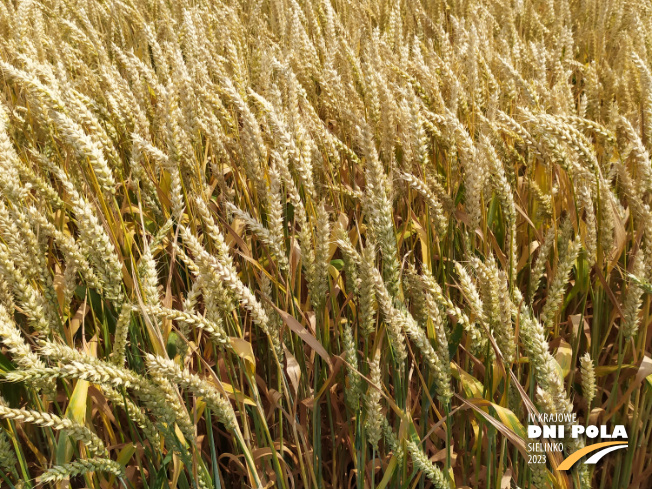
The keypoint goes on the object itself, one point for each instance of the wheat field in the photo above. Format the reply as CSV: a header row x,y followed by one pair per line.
x,y
323,243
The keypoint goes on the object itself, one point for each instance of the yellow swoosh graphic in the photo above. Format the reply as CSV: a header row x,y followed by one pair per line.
x,y
574,457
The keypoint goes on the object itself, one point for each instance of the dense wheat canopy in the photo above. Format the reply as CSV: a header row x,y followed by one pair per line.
x,y
322,243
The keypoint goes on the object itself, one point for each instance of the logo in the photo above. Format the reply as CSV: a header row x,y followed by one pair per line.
x,y
602,449
556,429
